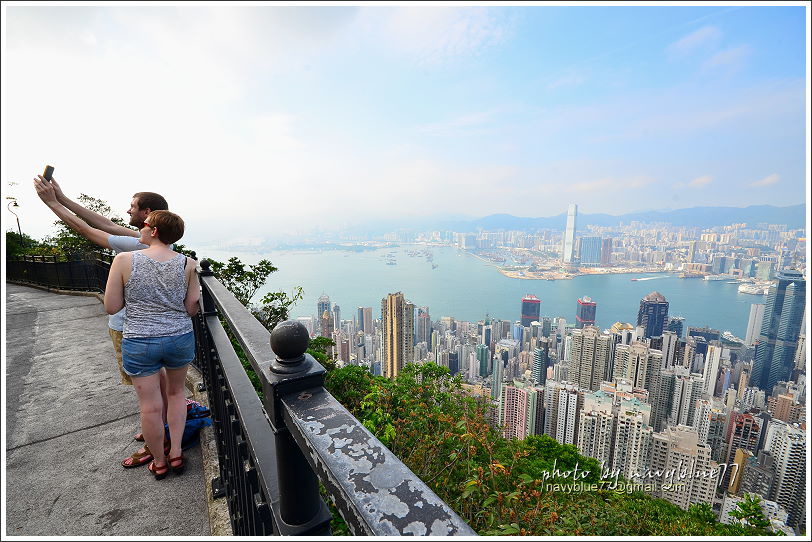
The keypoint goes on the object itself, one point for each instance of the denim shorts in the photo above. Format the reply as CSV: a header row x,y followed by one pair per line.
x,y
144,356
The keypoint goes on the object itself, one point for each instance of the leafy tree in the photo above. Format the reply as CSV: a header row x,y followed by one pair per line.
x,y
275,306
16,247
241,280
749,511
68,242
498,485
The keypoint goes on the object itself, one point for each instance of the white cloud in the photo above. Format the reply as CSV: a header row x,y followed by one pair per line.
x,y
436,35
695,183
728,60
468,123
704,37
767,181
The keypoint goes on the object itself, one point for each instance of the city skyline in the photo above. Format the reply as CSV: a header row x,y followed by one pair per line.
x,y
313,117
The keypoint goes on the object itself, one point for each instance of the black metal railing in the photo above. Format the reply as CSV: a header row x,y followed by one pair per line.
x,y
86,273
273,452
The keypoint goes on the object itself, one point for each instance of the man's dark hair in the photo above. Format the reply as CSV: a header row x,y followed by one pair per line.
x,y
151,201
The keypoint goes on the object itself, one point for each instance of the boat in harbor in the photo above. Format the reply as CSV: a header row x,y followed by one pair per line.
x,y
754,289
716,277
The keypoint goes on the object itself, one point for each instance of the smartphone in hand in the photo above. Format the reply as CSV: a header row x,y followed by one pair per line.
x,y
49,171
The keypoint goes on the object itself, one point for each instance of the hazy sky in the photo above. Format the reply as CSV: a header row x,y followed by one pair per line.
x,y
252,119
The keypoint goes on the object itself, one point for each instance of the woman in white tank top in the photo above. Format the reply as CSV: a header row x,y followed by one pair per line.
x,y
161,291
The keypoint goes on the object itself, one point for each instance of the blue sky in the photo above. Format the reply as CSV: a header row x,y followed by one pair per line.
x,y
285,119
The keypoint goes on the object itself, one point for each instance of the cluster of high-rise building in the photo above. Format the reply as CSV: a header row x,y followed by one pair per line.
x,y
690,416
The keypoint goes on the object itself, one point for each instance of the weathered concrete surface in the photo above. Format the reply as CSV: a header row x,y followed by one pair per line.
x,y
69,422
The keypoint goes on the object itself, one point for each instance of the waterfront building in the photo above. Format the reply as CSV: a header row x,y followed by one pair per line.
x,y
676,324
707,333
764,270
531,309
653,314
591,251
778,339
591,351
585,312
606,252
568,243
678,450
754,323
787,444
397,317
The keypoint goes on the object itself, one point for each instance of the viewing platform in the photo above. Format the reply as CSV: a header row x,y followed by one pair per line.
x,y
69,423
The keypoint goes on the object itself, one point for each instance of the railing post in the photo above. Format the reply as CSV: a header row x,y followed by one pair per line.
x,y
300,504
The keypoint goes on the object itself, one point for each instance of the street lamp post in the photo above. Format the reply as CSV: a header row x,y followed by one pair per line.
x,y
20,231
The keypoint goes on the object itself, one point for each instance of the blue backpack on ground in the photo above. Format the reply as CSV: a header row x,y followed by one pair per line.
x,y
197,417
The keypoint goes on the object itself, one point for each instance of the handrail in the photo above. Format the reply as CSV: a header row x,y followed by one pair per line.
x,y
317,438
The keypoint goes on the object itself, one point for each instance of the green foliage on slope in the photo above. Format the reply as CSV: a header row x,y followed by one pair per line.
x,y
501,486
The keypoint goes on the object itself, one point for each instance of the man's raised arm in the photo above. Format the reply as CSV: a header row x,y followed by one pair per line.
x,y
91,217
47,194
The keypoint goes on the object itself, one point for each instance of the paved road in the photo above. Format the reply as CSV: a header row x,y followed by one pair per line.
x,y
68,425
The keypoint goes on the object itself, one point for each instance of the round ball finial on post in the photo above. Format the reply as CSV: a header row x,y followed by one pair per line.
x,y
289,341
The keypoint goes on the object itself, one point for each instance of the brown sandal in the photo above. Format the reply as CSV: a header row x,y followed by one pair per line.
x,y
177,469
137,459
158,472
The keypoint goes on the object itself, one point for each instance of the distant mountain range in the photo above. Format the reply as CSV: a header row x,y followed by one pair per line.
x,y
793,216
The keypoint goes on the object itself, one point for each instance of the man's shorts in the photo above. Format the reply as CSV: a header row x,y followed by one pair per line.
x,y
116,336
144,356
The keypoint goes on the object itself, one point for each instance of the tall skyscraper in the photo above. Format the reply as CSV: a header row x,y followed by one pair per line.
x,y
676,324
325,317
585,312
591,350
787,444
653,314
520,411
591,251
531,309
568,245
397,316
754,323
678,450
423,326
483,355
637,364
778,340
541,360
606,251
